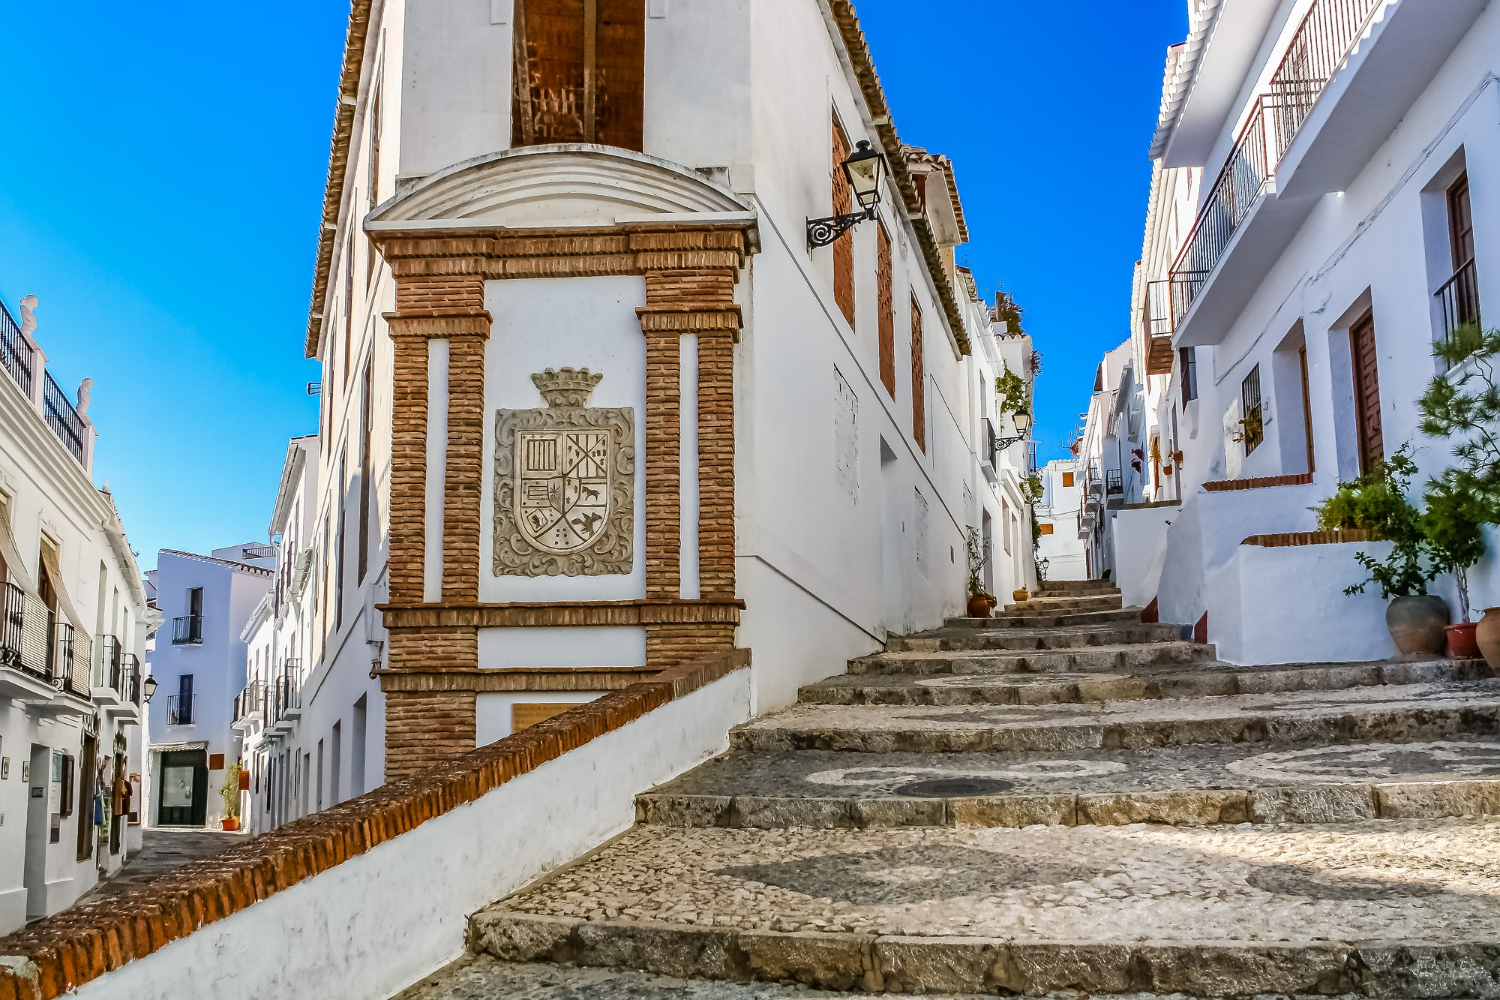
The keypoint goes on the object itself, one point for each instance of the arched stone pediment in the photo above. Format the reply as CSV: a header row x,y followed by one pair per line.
x,y
556,186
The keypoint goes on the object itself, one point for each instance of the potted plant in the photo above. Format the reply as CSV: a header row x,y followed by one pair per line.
x,y
1376,502
230,792
1463,404
977,553
1454,526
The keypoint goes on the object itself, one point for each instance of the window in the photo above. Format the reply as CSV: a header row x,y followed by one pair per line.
x,y
886,321
348,267
180,705
1188,362
1005,524
843,247
373,178
1045,529
1460,222
1459,295
1255,429
1366,393
363,548
1067,480
338,550
357,748
578,68
918,379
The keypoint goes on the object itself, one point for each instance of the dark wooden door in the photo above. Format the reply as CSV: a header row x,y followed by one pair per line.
x,y
1307,426
182,793
1366,393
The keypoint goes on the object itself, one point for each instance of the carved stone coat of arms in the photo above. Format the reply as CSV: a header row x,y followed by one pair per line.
x,y
564,483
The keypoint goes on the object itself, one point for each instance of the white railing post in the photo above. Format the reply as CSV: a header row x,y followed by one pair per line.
x,y
38,359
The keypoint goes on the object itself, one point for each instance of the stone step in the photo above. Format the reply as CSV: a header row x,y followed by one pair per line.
x,y
1199,680
1389,909
483,977
1043,618
1407,711
1050,587
1069,637
1343,782
1079,659
1045,605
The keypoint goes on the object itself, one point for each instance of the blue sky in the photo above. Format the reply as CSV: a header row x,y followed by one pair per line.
x,y
162,171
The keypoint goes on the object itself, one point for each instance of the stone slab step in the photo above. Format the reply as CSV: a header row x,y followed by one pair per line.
x,y
1046,618
1077,659
1069,637
1052,587
1047,605
1399,712
1200,680
482,977
1398,908
1344,782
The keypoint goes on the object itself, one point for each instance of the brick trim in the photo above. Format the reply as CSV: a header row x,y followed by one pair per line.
x,y
478,679
462,483
1288,539
53,956
662,466
1257,483
716,542
561,613
408,516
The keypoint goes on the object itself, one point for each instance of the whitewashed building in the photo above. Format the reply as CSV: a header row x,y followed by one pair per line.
x,y
782,440
198,663
1321,213
71,639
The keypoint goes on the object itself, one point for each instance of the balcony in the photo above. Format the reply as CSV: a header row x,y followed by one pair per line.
x,y
1458,299
1158,322
40,657
25,364
181,709
1113,485
249,706
187,630
284,700
133,676
988,460
1242,211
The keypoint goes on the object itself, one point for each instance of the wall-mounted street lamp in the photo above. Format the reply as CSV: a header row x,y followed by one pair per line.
x,y
1022,421
149,686
864,170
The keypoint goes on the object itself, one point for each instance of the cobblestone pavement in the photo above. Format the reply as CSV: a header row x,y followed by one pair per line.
x,y
162,850
1058,800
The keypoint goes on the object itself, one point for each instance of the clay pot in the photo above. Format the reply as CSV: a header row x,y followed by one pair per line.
x,y
1462,644
980,605
230,823
1021,596
1487,637
1418,624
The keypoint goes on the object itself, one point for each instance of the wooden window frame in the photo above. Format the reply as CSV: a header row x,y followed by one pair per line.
x,y
1460,234
843,247
918,378
603,92
886,296
1366,394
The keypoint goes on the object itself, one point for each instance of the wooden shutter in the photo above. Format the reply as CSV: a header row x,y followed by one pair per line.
x,y
579,70
887,319
1366,393
843,247
1067,479
1307,428
918,379
1460,222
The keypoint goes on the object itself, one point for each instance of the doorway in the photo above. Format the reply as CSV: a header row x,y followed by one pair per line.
x,y
38,829
892,540
182,795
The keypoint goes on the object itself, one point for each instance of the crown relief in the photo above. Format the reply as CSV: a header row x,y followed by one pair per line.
x,y
566,386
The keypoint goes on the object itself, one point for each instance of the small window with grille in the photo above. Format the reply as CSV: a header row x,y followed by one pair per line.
x,y
1255,431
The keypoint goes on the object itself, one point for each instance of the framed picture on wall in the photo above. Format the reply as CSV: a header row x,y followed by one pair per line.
x,y
4,768
26,771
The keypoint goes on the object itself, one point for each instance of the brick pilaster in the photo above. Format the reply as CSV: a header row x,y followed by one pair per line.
x,y
663,464
716,544
408,468
462,483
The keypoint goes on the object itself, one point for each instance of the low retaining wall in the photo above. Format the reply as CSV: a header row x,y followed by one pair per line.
x,y
365,898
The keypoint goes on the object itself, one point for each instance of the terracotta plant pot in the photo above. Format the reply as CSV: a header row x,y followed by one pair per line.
x,y
980,605
1418,624
1462,643
230,824
1487,637
1021,596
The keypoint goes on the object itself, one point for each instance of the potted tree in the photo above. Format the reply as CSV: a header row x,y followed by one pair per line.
x,y
230,792
1454,526
1376,503
1463,405
977,554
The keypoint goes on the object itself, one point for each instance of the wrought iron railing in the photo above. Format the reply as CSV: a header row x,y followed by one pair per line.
x,y
180,709
251,700
1112,482
1459,299
1318,47
33,641
286,691
63,418
131,677
15,353
187,629
107,671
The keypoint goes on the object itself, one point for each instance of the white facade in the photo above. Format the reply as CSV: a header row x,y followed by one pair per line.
x,y
71,641
1064,534
850,510
1316,220
198,662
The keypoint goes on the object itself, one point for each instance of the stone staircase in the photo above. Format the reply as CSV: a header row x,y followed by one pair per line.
x,y
1060,798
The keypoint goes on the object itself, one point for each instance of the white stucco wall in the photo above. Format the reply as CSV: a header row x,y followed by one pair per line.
x,y
380,921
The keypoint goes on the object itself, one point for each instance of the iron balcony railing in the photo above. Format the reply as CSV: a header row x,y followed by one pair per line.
x,y
33,641
1318,47
286,691
1459,299
15,353
187,629
63,417
1112,482
107,672
180,709
991,439
131,677
250,701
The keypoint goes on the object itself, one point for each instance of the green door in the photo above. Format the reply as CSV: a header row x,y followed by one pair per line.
x,y
182,790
